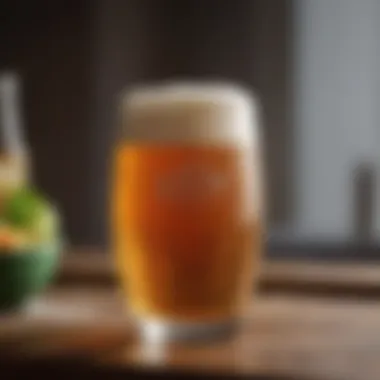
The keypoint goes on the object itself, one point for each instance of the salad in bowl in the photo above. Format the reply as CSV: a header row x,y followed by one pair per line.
x,y
30,242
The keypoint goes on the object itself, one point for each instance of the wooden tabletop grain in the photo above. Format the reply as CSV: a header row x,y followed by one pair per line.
x,y
282,335
301,276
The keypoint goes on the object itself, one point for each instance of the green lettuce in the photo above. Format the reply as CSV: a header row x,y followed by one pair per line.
x,y
27,209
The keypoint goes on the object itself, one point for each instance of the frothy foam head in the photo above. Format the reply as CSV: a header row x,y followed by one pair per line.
x,y
190,113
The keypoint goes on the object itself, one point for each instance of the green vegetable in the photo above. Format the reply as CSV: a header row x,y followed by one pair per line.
x,y
29,210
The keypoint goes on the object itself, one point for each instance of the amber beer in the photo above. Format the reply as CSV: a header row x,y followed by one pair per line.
x,y
186,205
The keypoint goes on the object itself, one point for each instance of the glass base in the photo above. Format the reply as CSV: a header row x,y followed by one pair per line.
x,y
170,331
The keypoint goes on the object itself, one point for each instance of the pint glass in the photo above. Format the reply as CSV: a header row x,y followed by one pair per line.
x,y
186,207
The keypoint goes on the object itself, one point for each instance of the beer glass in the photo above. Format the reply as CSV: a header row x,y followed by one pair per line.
x,y
186,207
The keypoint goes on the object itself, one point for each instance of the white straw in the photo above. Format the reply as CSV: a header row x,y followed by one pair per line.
x,y
12,129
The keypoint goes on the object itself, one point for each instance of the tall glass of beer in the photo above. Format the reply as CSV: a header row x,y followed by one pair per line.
x,y
186,207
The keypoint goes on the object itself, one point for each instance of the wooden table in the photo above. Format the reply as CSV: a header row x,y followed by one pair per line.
x,y
300,337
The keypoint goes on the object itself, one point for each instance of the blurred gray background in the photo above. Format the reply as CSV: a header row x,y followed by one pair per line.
x,y
313,63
